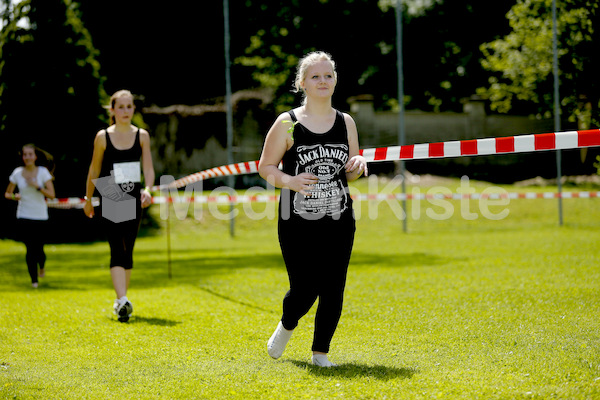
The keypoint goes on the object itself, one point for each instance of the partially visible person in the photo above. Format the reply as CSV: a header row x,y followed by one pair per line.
x,y
116,157
34,183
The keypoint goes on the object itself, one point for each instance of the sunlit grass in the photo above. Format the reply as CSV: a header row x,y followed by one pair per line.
x,y
454,308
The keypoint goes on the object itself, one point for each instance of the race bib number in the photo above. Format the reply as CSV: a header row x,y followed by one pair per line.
x,y
127,172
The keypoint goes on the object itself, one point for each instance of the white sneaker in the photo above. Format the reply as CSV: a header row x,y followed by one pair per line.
x,y
123,310
321,360
278,341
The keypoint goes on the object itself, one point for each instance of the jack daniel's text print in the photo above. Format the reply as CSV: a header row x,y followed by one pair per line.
x,y
328,196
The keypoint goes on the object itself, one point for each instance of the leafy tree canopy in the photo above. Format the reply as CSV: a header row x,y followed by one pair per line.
x,y
175,52
441,57
50,87
522,61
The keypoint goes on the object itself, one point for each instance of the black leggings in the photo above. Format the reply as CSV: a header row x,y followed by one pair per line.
x,y
316,257
32,235
121,237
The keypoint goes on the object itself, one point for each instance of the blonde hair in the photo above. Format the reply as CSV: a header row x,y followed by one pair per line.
x,y
307,61
113,100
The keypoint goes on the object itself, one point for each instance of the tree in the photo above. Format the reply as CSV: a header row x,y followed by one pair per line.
x,y
50,88
521,62
441,57
176,51
286,32
170,52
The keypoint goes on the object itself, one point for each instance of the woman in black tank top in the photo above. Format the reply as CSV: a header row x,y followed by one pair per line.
x,y
115,171
318,147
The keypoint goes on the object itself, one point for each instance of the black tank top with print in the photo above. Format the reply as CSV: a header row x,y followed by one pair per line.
x,y
324,155
124,165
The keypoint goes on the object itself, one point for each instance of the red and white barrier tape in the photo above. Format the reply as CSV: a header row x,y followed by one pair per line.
x,y
460,148
489,146
74,202
473,147
70,202
225,199
242,168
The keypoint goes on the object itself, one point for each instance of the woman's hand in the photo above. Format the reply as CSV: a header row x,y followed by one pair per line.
x,y
301,183
358,165
88,209
12,196
146,198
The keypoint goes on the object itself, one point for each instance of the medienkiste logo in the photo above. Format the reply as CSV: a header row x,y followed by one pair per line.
x,y
117,204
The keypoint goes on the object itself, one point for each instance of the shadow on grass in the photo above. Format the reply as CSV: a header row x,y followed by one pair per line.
x,y
82,270
398,260
353,370
136,319
231,299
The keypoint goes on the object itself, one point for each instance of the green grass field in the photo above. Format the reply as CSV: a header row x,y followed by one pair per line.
x,y
455,308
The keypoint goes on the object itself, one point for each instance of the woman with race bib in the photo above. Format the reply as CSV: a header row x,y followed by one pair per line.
x,y
318,146
115,171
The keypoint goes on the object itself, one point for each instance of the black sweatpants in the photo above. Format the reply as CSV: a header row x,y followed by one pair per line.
x,y
316,256
32,233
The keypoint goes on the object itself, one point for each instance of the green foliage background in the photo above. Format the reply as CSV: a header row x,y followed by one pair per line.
x,y
522,66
